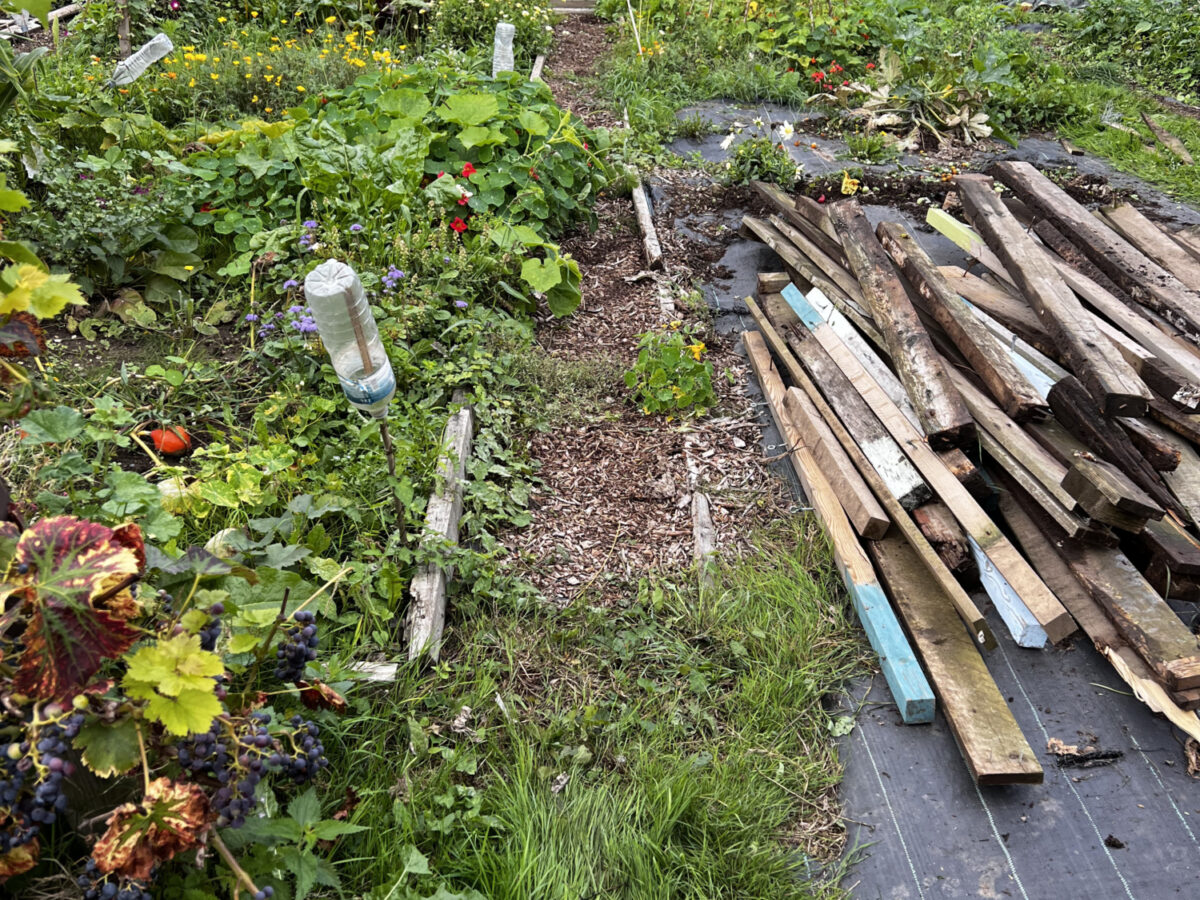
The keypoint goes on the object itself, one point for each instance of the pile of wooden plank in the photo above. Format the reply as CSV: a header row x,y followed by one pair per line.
x,y
1027,426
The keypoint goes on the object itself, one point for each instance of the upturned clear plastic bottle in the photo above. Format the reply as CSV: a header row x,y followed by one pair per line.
x,y
339,304
502,48
131,69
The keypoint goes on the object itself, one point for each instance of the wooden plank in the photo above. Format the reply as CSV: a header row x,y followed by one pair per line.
x,y
1070,148
1091,618
1146,236
1184,424
1140,615
816,213
799,264
651,248
877,445
908,685
1028,452
945,536
1168,140
427,606
1189,239
1109,379
1184,480
1112,485
942,576
1071,524
982,349
539,63
704,540
942,412
1172,545
1143,279
1074,410
830,266
772,282
1027,607
861,507
983,726
1072,256
1179,380
786,206
1150,440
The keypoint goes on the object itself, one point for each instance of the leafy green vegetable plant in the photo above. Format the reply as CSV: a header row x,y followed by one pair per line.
x,y
671,374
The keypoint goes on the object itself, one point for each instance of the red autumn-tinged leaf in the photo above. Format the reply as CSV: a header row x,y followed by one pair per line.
x,y
173,817
348,806
131,536
65,646
20,335
59,566
19,859
318,695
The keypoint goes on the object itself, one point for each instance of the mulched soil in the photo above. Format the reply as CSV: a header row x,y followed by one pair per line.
x,y
615,499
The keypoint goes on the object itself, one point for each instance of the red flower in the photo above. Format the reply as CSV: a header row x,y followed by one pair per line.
x,y
468,170
870,65
835,68
845,84
205,207
818,77
440,174
459,225
790,69
533,174
585,146
462,201
821,199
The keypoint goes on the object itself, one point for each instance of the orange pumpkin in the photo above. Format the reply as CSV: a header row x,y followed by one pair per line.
x,y
173,441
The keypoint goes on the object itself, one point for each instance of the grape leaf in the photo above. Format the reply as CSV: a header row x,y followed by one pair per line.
x,y
172,818
19,859
177,676
191,712
67,563
109,749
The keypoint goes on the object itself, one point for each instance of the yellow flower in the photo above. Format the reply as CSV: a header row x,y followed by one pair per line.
x,y
329,20
191,82
254,15
300,88
188,268
268,109
696,349
214,76
222,20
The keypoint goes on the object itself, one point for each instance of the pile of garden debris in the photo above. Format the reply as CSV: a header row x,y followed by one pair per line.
x,y
1029,425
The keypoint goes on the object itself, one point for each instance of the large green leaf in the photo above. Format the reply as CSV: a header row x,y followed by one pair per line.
x,y
52,426
540,274
468,108
404,103
564,298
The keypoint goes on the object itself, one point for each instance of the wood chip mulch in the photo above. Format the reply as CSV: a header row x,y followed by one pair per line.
x,y
615,500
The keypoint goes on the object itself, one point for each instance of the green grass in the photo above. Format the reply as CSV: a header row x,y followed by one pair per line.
x,y
688,738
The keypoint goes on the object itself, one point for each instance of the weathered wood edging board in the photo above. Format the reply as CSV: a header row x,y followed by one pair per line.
x,y
427,606
912,693
1028,608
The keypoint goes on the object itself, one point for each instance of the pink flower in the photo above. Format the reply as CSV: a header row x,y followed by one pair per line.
x,y
468,170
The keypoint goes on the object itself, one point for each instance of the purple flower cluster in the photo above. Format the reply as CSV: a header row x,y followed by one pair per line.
x,y
290,284
302,320
307,239
356,228
392,278
461,304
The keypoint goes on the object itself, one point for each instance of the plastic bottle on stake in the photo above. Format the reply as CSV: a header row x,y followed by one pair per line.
x,y
131,69
350,336
502,48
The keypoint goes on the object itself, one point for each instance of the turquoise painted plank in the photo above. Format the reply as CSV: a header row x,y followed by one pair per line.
x,y
801,307
909,687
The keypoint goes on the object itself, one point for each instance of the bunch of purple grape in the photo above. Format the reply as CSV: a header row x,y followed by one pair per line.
x,y
298,649
97,886
31,778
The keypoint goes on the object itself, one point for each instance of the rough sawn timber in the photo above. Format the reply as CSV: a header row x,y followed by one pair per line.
x,y
1115,386
987,735
942,412
427,608
1144,279
1029,610
907,682
988,357
967,611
